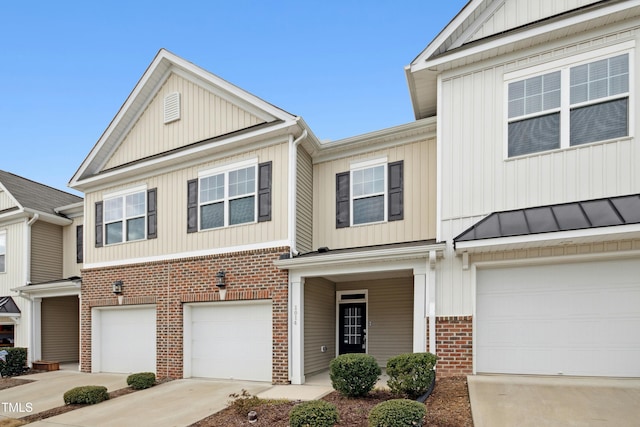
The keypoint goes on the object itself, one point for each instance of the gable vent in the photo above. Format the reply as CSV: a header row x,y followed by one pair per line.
x,y
172,107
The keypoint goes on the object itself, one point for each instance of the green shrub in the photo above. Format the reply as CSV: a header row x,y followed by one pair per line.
x,y
411,374
15,361
314,413
354,375
141,380
397,413
88,394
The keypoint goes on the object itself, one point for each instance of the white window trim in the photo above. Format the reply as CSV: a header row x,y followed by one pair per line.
x,y
564,66
3,234
123,194
225,169
356,166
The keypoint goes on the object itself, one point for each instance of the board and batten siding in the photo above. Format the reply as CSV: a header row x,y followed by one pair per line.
x,y
389,316
46,252
6,202
203,115
14,273
60,318
172,214
319,324
515,13
476,176
419,221
304,202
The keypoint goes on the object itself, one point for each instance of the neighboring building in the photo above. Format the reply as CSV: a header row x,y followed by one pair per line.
x,y
40,263
538,188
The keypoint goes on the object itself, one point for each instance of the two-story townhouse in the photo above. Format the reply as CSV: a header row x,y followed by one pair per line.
x,y
538,195
40,262
223,240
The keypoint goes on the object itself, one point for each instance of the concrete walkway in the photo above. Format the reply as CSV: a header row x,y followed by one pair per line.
x,y
175,403
512,400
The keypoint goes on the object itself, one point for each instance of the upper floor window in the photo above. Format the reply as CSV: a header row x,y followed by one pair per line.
x,y
370,192
3,252
126,216
231,195
574,105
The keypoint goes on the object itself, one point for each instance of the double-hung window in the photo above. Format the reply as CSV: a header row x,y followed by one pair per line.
x,y
234,194
3,251
370,192
580,103
126,216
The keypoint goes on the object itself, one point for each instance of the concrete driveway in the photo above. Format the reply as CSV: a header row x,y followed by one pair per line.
x,y
512,400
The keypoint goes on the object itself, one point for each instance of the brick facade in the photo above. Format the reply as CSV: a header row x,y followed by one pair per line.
x,y
168,284
454,345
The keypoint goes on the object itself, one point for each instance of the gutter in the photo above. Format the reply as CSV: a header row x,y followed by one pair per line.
x,y
293,172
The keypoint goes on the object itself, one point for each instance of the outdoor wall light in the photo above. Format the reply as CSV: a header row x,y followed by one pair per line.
x,y
117,287
220,276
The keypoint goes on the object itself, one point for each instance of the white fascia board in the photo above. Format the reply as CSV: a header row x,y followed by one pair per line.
x,y
559,238
62,288
380,256
50,218
524,34
447,31
71,210
193,254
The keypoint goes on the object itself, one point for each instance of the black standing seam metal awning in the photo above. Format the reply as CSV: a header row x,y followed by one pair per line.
x,y
8,307
605,212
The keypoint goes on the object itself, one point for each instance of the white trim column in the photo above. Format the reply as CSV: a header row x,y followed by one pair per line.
x,y
419,311
431,300
36,330
296,329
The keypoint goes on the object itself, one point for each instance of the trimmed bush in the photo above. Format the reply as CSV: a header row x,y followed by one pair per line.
x,y
15,361
397,413
141,380
314,413
354,375
88,394
411,374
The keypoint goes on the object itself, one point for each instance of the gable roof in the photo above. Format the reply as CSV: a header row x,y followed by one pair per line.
x,y
164,64
34,196
605,214
459,44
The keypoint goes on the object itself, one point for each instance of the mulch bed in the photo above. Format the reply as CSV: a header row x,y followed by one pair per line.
x,y
448,406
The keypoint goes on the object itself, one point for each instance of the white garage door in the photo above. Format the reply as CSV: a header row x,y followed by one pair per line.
x,y
229,340
124,339
571,319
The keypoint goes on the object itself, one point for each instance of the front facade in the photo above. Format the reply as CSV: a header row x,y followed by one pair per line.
x,y
40,264
538,194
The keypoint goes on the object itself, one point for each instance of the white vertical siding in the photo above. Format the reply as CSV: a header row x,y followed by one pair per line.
x,y
15,273
69,265
515,13
203,115
172,213
304,202
319,324
477,179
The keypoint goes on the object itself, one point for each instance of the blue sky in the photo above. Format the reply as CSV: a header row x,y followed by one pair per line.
x,y
66,67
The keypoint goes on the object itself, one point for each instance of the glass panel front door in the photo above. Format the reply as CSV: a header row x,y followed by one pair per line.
x,y
353,328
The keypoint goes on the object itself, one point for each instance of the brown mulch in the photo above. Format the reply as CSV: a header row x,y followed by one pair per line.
x,y
8,382
448,406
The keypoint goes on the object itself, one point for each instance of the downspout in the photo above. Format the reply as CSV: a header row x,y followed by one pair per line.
x,y
293,171
27,261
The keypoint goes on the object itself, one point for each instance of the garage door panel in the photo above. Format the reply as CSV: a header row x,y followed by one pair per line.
x,y
231,340
574,319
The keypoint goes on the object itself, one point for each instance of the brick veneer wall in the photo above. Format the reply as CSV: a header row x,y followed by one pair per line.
x,y
454,345
168,284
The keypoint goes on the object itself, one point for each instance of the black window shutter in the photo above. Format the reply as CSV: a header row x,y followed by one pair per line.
x,y
264,192
192,206
152,213
342,199
396,184
79,244
98,224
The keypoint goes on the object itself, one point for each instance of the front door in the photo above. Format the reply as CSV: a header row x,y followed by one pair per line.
x,y
353,328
